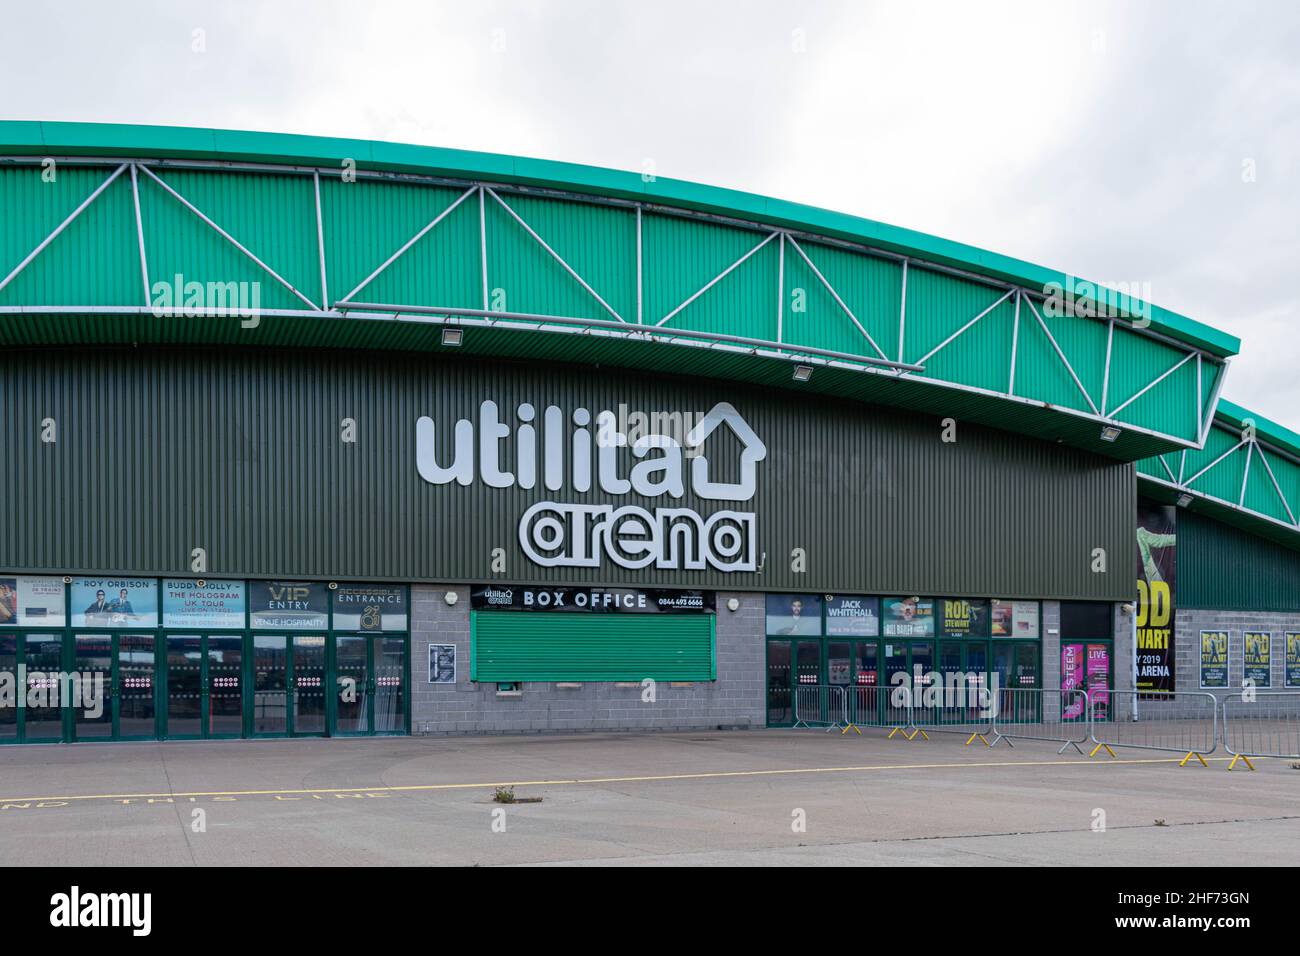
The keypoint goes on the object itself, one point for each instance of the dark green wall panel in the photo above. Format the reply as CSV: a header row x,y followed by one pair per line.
x,y
1224,568
238,452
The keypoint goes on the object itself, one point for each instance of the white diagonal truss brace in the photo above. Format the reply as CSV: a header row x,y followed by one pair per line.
x,y
230,239
1253,451
872,357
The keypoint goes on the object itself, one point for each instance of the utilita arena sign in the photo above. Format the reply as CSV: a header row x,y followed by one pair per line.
x,y
580,457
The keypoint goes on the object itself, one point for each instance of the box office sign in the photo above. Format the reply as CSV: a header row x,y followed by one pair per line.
x,y
288,605
1214,659
217,604
497,597
31,602
369,607
114,602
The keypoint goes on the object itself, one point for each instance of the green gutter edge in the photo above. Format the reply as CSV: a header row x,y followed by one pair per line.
x,y
36,138
1235,416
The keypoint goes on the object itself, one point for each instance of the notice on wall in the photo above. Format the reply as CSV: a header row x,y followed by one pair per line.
x,y
369,607
906,617
1015,619
1214,659
1258,658
1292,659
288,605
852,617
31,602
1156,570
114,602
442,663
963,618
218,604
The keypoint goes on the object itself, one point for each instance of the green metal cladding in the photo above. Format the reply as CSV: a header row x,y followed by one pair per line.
x,y
1246,475
549,261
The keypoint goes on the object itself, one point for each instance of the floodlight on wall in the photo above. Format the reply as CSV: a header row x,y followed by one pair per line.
x,y
802,373
733,604
1110,433
450,597
1184,500
451,337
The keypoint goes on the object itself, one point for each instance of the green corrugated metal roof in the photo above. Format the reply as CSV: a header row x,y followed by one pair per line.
x,y
30,138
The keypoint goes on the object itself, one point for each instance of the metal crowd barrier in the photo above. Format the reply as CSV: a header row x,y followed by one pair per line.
x,y
1261,724
1185,722
819,705
957,706
1034,713
871,705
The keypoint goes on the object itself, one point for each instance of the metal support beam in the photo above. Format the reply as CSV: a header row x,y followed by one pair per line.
x,y
229,238
139,235
780,289
58,230
944,344
836,296
1015,344
1154,382
403,247
902,312
1105,377
1061,355
320,245
1276,487
717,278
1245,472
556,256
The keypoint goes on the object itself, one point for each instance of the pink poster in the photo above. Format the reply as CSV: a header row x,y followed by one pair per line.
x,y
1099,679
1072,677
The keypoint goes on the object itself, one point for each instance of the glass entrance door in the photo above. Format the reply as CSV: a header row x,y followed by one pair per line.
x,y
9,665
270,685
91,700
780,660
137,686
41,719
370,684
307,685
205,685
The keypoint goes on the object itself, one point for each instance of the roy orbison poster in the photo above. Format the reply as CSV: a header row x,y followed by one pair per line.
x,y
1156,579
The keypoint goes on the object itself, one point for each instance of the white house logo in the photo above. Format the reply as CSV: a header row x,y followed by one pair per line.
x,y
553,533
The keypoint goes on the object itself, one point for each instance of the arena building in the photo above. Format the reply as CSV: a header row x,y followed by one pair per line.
x,y
306,436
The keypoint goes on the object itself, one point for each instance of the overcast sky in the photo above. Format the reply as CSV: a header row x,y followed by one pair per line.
x,y
1154,142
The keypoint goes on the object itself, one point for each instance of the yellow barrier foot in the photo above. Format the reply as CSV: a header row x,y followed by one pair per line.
x,y
894,731
1183,762
1106,747
852,727
975,737
923,734
1243,758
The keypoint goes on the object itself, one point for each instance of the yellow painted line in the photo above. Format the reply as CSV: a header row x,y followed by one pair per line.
x,y
589,781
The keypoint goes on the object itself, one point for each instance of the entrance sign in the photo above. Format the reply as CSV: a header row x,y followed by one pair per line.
x,y
369,607
1214,659
1156,581
31,602
287,605
114,602
218,604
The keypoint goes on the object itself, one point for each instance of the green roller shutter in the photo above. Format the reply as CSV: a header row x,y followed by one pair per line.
x,y
515,646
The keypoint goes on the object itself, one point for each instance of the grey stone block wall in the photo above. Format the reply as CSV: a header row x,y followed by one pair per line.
x,y
1190,622
737,699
